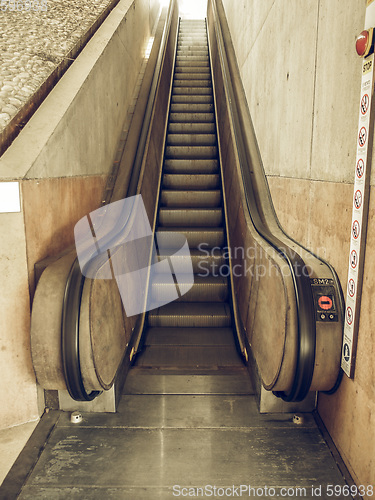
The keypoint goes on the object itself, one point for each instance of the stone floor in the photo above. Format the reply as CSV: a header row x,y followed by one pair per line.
x,y
175,435
34,41
12,441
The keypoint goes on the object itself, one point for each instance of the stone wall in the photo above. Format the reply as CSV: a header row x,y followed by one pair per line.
x,y
61,160
302,81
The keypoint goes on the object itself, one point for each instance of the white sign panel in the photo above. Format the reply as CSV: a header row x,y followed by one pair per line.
x,y
359,218
10,197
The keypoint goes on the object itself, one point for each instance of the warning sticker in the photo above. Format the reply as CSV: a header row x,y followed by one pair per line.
x,y
365,101
359,207
346,352
351,287
349,315
360,168
353,259
367,67
362,137
358,199
355,229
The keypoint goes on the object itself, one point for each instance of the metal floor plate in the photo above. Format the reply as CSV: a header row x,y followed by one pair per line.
x,y
91,457
141,381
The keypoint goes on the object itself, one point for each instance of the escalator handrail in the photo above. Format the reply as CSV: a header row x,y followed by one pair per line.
x,y
76,279
303,292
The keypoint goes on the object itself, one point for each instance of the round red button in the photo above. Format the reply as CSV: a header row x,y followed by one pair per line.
x,y
362,42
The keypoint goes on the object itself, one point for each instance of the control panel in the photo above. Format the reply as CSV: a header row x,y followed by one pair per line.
x,y
325,299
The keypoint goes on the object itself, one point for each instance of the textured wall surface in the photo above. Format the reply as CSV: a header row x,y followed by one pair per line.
x,y
61,160
302,81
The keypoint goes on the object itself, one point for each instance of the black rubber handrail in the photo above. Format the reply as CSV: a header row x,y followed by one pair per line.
x,y
299,271
76,279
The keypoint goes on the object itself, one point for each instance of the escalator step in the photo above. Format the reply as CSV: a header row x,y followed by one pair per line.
x,y
191,139
192,99
202,69
193,61
204,289
191,128
191,181
204,261
200,152
190,218
191,314
197,237
191,118
191,91
190,107
191,166
192,83
194,357
204,76
191,199
157,381
189,336
193,53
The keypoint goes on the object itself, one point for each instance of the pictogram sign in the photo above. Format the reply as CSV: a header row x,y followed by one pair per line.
x,y
360,168
360,194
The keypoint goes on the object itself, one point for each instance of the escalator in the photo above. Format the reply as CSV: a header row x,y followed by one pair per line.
x,y
195,332
193,157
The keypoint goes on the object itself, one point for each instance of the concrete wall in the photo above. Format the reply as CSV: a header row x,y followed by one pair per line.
x,y
61,160
302,80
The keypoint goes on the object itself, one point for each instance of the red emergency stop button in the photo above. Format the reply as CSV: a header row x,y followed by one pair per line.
x,y
363,43
325,302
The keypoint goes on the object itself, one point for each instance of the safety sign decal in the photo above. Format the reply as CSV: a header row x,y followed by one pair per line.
x,y
359,218
360,168
364,104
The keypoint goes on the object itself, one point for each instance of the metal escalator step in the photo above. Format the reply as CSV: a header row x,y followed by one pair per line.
x,y
202,69
188,30
195,358
190,199
192,61
200,152
195,39
204,289
192,99
189,107
191,118
192,33
205,261
204,76
192,128
193,53
191,314
191,181
197,139
191,28
189,336
191,166
191,46
207,217
197,237
192,91
157,381
192,83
